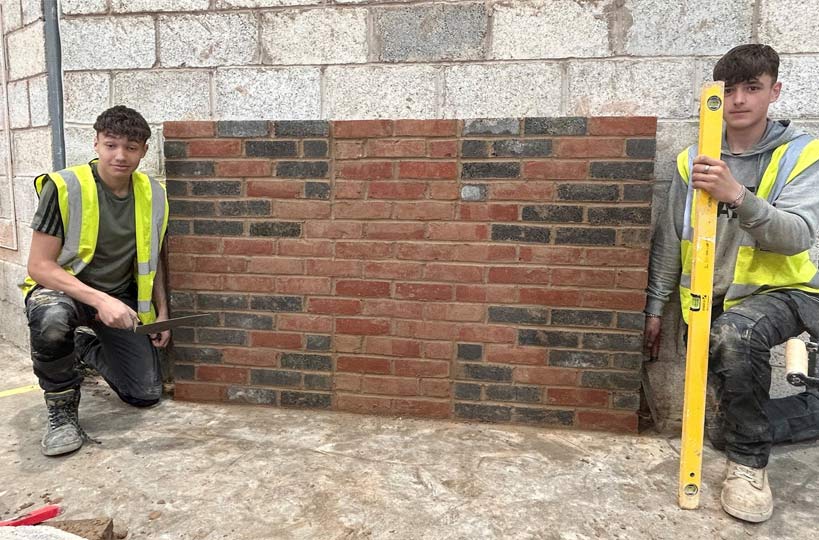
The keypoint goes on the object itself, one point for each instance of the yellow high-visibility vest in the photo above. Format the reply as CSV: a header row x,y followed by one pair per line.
x,y
756,270
79,210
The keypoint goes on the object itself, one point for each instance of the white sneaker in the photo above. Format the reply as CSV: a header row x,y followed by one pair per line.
x,y
746,494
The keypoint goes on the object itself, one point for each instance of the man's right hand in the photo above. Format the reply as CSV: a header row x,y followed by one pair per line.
x,y
651,337
116,314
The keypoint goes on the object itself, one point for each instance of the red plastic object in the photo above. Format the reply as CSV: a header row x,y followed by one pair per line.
x,y
34,517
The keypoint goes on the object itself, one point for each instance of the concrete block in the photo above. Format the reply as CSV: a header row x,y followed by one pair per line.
x,y
2,113
672,138
12,15
32,10
26,52
100,43
380,92
549,30
283,94
4,152
799,92
431,32
687,28
165,95
314,36
38,101
134,6
492,126
808,126
5,200
92,529
18,104
207,40
227,4
502,90
83,7
31,151
781,26
25,199
85,95
625,87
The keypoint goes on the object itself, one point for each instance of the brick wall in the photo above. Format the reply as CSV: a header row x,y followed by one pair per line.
x,y
478,269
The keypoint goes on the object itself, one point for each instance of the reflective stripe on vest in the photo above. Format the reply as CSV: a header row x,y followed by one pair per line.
x,y
79,210
755,269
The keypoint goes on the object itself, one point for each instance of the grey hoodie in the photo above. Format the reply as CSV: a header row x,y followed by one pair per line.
x,y
789,226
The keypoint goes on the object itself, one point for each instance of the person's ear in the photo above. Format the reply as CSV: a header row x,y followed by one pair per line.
x,y
775,90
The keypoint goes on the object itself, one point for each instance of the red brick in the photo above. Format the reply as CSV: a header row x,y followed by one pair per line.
x,y
334,306
351,129
487,293
222,374
349,190
256,356
349,149
488,212
454,312
185,391
362,210
479,252
362,327
424,408
588,397
439,350
487,334
608,420
215,148
548,376
584,277
346,381
364,170
505,354
460,273
393,270
423,291
363,288
210,282
305,248
389,346
275,265
436,388
424,210
243,167
396,148
220,264
614,125
364,250
428,169
458,231
425,330
361,404
631,300
425,252
444,191
390,386
550,297
616,257
194,244
249,283
301,210
586,147
513,274
303,285
333,229
396,190
394,231
552,254
275,189
442,149
323,267
304,323
556,170
180,262
348,344
522,191
277,340
421,368
248,246
632,279
393,308
363,364
188,130
430,128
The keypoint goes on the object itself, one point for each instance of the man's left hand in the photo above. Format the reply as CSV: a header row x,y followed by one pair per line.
x,y
714,176
160,340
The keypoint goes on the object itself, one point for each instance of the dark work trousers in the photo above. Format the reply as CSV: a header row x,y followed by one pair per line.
x,y
739,368
128,362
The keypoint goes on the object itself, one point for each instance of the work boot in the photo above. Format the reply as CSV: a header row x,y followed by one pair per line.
x,y
746,494
63,433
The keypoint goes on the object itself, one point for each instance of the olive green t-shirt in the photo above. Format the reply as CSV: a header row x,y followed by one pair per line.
x,y
112,268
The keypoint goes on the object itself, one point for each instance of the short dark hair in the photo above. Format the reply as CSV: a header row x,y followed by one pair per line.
x,y
120,121
747,62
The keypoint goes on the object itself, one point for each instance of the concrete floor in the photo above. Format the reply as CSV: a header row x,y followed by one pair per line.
x,y
199,471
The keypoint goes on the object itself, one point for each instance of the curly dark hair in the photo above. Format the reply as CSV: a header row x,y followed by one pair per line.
x,y
747,62
120,121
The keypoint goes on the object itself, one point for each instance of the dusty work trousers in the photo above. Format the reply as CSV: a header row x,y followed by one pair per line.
x,y
739,367
128,362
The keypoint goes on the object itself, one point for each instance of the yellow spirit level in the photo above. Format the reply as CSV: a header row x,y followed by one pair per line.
x,y
704,221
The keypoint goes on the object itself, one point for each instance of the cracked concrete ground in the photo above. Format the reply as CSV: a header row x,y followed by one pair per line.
x,y
206,471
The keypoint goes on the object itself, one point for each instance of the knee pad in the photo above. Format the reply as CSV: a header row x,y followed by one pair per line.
x,y
51,330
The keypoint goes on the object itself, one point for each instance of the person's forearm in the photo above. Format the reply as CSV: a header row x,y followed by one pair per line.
x,y
160,294
52,276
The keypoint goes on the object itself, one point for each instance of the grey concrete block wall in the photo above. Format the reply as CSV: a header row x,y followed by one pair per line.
x,y
344,59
